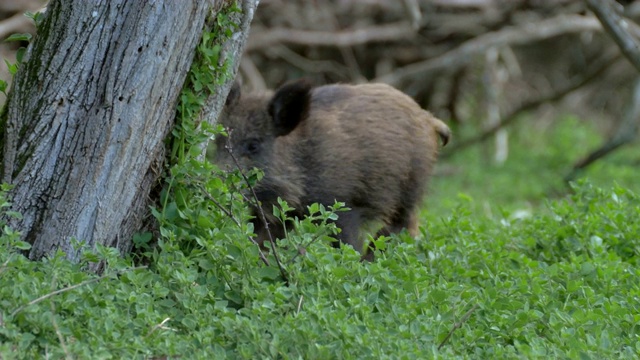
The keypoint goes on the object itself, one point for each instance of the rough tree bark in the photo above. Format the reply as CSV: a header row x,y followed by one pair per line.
x,y
82,136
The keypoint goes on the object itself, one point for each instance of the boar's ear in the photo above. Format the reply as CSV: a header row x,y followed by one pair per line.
x,y
234,94
290,106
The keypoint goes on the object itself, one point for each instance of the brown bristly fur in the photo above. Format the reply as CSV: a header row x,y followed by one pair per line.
x,y
369,146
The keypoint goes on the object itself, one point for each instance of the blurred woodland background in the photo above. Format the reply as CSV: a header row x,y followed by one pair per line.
x,y
501,73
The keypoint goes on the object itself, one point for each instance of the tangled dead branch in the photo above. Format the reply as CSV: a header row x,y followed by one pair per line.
x,y
617,27
465,53
12,19
263,38
592,73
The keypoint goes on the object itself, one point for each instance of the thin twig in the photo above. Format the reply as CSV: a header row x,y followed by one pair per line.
x,y
413,9
346,51
299,304
263,217
262,38
63,344
157,326
86,282
457,325
308,65
217,204
4,264
626,132
315,238
252,73
237,222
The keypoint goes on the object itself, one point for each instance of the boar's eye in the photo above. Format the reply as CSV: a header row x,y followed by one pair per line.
x,y
251,146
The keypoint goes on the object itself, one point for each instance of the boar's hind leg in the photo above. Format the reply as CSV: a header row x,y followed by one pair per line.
x,y
408,207
403,219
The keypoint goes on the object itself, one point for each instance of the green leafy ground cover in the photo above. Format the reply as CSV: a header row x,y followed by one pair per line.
x,y
478,283
539,159
510,264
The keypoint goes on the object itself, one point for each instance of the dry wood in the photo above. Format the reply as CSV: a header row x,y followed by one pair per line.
x,y
617,27
465,53
626,133
20,6
16,24
592,73
264,38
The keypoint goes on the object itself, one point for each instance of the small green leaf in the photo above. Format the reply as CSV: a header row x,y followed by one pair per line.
x,y
36,17
142,240
20,54
19,37
207,264
269,273
14,214
13,68
22,245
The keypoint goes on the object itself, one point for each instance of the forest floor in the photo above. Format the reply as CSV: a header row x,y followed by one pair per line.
x,y
511,263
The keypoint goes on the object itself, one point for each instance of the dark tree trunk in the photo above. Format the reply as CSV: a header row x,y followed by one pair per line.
x,y
82,139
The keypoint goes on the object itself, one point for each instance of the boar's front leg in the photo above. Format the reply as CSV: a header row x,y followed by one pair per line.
x,y
349,223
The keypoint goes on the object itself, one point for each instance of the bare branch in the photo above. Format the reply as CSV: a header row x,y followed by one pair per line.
x,y
299,304
413,9
251,71
627,132
457,325
158,326
575,83
309,65
464,54
493,84
4,264
63,343
617,27
262,38
263,217
230,216
16,24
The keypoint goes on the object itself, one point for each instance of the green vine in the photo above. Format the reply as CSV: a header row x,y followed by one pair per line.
x,y
206,75
203,216
4,85
203,220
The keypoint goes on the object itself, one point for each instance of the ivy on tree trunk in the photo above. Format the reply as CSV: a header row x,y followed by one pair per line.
x,y
83,133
